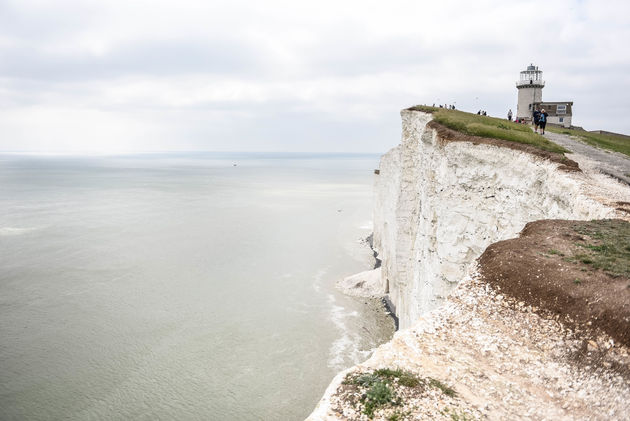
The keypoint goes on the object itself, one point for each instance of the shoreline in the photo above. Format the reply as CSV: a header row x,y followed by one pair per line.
x,y
389,307
387,303
498,356
367,284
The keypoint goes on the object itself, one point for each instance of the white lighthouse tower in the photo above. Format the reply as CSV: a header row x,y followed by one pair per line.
x,y
529,91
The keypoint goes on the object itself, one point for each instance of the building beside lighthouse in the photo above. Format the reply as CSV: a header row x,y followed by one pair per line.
x,y
530,86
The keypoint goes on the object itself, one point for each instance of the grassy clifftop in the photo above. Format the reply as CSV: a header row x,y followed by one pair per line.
x,y
606,141
490,127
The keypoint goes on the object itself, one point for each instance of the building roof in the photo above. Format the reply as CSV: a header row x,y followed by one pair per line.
x,y
551,107
554,102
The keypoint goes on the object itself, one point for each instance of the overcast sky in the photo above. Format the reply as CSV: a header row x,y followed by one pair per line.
x,y
128,76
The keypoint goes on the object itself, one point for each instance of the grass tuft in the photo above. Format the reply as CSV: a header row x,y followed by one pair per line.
x,y
398,416
379,387
379,394
405,378
444,388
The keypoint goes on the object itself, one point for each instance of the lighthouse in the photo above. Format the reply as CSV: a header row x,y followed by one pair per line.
x,y
529,87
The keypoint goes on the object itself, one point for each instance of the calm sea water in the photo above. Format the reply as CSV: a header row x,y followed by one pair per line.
x,y
181,286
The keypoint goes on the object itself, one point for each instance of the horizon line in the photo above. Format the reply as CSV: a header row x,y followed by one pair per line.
x,y
174,152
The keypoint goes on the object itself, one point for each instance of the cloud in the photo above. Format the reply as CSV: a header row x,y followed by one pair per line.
x,y
156,57
215,75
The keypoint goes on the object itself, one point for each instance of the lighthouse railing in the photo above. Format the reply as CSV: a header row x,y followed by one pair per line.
x,y
532,82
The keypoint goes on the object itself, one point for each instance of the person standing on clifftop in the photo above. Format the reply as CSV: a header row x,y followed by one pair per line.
x,y
510,115
542,121
536,119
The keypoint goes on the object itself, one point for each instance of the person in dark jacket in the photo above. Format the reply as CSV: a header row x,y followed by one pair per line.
x,y
542,120
536,117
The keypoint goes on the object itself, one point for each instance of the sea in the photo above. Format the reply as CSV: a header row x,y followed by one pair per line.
x,y
191,286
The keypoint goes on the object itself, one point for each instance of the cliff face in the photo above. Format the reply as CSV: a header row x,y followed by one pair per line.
x,y
440,201
439,204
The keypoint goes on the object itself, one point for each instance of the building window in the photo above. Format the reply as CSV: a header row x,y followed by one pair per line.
x,y
562,109
561,119
530,106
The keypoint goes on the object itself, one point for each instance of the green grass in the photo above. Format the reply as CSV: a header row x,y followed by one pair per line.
x,y
398,416
605,141
378,395
606,246
444,388
455,415
404,378
379,389
495,128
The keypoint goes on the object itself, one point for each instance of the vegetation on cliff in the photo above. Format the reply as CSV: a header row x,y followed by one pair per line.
x,y
490,127
606,141
384,390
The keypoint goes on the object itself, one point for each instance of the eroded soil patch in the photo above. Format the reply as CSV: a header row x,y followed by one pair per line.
x,y
450,135
579,270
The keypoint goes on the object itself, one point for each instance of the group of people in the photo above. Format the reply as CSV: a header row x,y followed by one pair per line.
x,y
448,107
539,117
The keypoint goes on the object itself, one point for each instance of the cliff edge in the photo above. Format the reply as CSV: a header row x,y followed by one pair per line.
x,y
471,347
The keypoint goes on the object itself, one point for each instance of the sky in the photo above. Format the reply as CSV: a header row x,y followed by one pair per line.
x,y
121,76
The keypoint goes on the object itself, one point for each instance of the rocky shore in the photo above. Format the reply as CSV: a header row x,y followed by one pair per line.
x,y
503,359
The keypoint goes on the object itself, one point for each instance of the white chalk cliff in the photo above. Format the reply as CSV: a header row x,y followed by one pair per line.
x,y
438,205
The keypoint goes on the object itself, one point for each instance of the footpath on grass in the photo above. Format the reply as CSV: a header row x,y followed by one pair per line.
x,y
611,163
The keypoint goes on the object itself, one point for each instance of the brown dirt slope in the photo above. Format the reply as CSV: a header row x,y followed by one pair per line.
x,y
579,270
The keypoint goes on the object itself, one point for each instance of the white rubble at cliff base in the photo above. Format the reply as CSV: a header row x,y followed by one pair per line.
x,y
363,284
503,360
